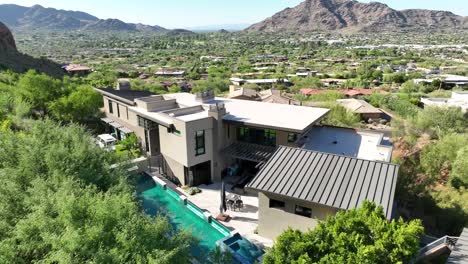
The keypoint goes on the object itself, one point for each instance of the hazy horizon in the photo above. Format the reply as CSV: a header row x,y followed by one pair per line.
x,y
209,13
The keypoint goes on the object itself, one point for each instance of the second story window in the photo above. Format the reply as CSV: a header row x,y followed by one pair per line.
x,y
200,142
270,137
292,137
111,109
118,110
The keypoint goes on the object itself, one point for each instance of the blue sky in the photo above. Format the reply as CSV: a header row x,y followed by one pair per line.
x,y
195,13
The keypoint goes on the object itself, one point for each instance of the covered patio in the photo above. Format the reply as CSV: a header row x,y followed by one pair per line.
x,y
244,220
248,159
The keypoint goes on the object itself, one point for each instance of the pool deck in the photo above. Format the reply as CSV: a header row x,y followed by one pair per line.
x,y
244,221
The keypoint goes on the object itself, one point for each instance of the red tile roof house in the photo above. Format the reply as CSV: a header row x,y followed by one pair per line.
x,y
76,69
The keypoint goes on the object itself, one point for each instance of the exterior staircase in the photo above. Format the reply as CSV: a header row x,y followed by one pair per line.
x,y
436,248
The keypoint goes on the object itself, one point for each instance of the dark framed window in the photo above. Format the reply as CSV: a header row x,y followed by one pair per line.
x,y
111,109
200,142
265,137
147,141
276,204
304,211
292,137
118,110
270,137
126,110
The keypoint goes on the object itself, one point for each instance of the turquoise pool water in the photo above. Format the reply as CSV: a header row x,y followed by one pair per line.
x,y
156,201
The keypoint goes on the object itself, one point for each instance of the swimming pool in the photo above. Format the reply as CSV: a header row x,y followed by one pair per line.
x,y
156,200
184,215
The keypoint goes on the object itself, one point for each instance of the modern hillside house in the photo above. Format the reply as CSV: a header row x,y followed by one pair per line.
x,y
301,170
197,137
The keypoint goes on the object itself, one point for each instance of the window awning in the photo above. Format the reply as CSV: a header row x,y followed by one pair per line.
x,y
107,120
115,124
248,151
125,130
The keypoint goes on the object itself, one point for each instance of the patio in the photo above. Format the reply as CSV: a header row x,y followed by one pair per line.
x,y
243,221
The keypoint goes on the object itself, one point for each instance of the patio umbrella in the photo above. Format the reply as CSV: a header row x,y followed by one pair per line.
x,y
222,207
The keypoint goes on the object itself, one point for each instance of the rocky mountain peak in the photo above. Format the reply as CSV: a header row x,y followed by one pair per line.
x,y
7,42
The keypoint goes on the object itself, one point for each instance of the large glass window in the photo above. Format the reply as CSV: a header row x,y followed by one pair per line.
x,y
118,110
147,140
304,211
111,109
200,142
257,136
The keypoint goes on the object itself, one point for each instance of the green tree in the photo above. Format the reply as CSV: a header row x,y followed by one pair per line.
x,y
61,202
440,121
39,90
438,157
80,106
360,235
340,116
459,175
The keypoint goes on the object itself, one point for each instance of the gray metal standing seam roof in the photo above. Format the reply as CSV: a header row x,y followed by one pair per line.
x,y
329,179
459,254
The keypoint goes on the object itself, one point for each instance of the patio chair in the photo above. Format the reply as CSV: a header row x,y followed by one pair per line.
x,y
239,204
230,205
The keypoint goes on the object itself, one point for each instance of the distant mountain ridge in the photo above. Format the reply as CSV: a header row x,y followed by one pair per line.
x,y
39,17
353,16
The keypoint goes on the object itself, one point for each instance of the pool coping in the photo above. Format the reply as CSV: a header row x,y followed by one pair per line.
x,y
173,187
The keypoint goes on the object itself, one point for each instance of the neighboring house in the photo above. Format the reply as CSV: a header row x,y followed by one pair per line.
x,y
267,96
169,73
455,80
193,138
365,110
242,93
275,96
458,99
76,70
298,188
260,82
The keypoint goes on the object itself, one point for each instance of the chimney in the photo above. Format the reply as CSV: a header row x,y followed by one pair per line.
x,y
204,97
123,84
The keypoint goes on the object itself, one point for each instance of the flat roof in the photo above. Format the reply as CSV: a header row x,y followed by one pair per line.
x,y
268,115
348,142
125,96
192,116
328,179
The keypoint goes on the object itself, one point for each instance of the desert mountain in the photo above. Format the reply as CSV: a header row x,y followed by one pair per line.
x,y
353,16
38,17
13,60
7,42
